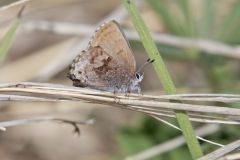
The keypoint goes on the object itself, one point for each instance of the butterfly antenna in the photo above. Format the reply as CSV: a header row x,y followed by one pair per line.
x,y
145,64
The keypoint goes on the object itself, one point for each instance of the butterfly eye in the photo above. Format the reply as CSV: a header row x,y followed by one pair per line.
x,y
137,76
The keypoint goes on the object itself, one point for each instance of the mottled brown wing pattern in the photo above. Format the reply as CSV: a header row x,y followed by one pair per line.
x,y
108,64
110,37
87,66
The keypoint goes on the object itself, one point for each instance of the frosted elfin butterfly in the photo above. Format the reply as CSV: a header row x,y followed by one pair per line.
x,y
108,63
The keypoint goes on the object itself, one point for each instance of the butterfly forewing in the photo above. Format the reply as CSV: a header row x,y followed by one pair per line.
x,y
110,37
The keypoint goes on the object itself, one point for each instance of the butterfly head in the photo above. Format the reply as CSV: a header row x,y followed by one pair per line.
x,y
138,77
135,83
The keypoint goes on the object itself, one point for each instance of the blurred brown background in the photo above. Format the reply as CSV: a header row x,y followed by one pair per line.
x,y
42,53
30,53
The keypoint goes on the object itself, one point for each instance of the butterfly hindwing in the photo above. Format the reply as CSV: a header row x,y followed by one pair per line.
x,y
93,68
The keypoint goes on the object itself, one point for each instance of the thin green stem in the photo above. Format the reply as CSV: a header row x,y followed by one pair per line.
x,y
8,38
6,42
164,77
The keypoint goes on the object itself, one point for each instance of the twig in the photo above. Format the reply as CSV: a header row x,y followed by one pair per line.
x,y
208,46
11,123
156,112
154,105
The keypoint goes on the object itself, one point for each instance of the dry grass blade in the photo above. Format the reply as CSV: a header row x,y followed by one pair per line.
x,y
172,144
208,46
7,6
18,122
225,98
11,123
151,105
38,59
221,151
4,97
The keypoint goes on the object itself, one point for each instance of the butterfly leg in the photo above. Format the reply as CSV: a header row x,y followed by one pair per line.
x,y
140,91
116,100
127,94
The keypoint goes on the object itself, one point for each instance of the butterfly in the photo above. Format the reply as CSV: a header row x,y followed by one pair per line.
x,y
108,63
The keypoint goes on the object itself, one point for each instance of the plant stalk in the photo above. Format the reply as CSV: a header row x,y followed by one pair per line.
x,y
164,77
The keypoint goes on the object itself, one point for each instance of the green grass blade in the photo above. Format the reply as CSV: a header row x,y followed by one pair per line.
x,y
171,24
183,4
189,25
164,77
207,18
7,39
151,49
230,25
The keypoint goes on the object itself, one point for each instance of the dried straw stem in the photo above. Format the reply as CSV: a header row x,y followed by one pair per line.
x,y
156,106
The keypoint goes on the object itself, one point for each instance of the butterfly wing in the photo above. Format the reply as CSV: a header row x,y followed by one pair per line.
x,y
110,37
96,69
108,64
